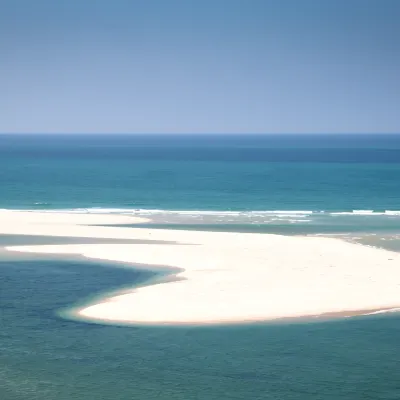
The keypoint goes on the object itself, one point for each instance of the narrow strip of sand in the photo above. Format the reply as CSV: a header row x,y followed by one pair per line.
x,y
10,217
229,277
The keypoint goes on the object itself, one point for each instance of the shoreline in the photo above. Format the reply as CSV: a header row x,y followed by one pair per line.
x,y
224,277
300,319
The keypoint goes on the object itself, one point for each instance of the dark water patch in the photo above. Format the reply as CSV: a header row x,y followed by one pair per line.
x,y
229,148
55,283
32,240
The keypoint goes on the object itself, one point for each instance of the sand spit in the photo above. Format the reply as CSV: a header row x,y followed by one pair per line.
x,y
231,277
8,217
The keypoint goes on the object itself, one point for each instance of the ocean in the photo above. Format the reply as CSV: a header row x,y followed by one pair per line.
x,y
319,173
346,185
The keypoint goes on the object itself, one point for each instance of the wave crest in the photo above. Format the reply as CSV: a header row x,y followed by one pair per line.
x,y
274,213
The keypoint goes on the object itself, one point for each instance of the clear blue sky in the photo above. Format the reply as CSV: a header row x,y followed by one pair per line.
x,y
199,66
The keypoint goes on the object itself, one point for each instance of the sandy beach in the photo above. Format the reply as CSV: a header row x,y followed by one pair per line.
x,y
224,277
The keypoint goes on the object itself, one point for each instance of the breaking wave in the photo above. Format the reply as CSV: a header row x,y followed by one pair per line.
x,y
276,213
144,211
254,217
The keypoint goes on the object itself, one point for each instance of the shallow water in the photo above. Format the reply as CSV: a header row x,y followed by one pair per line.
x,y
388,242
31,240
388,239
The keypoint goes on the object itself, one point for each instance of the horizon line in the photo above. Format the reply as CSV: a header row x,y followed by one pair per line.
x,y
199,133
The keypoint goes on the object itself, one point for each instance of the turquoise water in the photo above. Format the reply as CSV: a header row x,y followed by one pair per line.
x,y
178,172
293,184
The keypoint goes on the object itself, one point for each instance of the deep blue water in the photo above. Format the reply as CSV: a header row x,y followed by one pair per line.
x,y
44,357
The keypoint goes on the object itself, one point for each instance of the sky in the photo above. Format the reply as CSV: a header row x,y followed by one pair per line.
x,y
199,66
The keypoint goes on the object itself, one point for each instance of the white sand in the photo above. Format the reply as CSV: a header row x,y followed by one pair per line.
x,y
230,277
8,217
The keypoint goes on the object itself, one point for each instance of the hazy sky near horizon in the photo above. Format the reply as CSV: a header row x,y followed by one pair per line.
x,y
191,66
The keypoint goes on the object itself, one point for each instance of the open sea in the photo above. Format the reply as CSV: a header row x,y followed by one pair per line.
x,y
341,185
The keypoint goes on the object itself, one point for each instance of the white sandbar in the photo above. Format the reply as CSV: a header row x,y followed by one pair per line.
x,y
230,277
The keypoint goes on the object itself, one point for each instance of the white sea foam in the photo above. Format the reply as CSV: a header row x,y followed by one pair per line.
x,y
265,215
357,212
390,212
385,311
368,213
